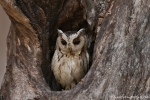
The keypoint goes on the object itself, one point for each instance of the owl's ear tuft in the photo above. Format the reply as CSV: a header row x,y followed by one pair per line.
x,y
60,32
81,31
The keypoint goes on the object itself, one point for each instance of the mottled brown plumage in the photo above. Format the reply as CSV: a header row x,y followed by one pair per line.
x,y
71,59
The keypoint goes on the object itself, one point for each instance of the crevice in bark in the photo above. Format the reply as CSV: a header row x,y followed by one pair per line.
x,y
71,20
67,15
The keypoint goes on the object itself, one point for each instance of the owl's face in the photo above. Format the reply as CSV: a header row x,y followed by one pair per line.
x,y
71,44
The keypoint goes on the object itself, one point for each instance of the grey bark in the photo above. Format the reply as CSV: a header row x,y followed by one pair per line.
x,y
121,58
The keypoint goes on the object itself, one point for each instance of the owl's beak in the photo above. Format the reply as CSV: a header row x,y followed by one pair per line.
x,y
70,51
69,48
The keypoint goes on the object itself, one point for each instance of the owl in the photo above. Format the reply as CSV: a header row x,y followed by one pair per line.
x,y
71,59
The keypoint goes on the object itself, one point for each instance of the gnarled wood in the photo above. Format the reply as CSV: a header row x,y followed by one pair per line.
x,y
121,57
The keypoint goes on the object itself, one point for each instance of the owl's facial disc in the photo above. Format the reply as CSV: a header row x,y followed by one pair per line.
x,y
71,44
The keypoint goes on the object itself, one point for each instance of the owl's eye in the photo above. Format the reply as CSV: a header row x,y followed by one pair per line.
x,y
76,41
63,42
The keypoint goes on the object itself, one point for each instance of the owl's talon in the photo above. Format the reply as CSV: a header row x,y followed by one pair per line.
x,y
73,84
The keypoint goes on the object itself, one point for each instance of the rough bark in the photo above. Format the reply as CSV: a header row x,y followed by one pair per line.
x,y
121,58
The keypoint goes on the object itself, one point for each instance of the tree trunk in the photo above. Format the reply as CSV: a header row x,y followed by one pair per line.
x,y
120,61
